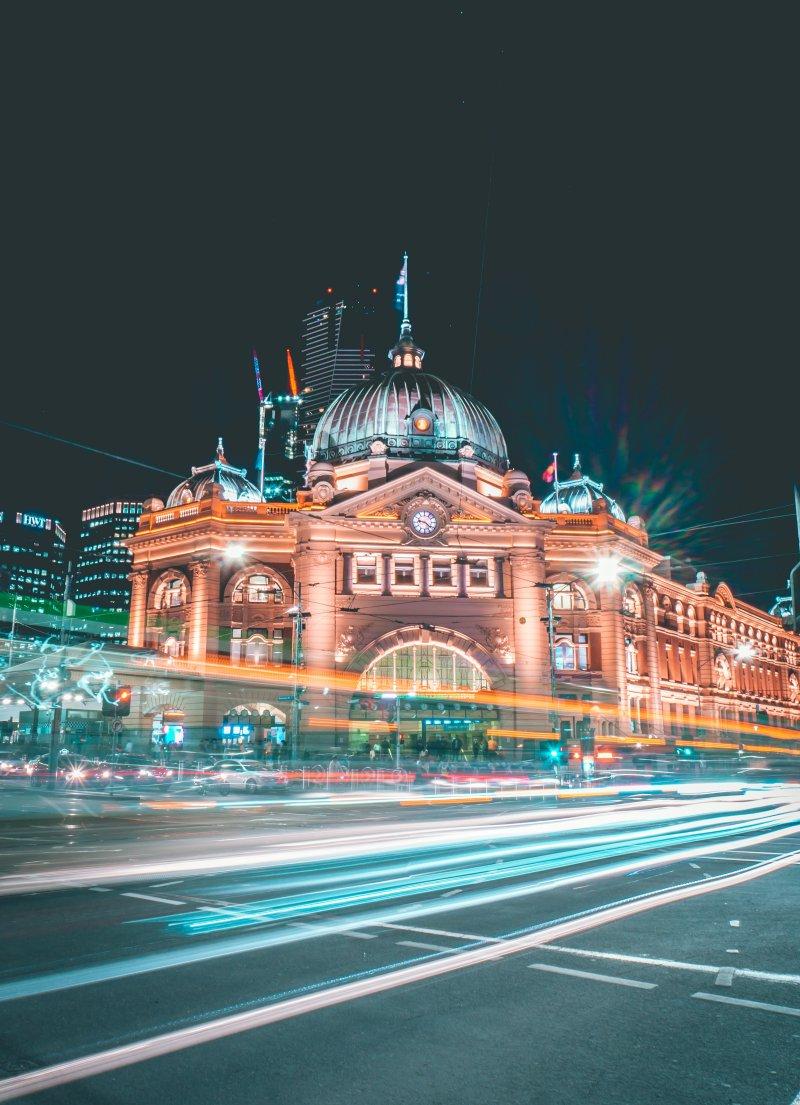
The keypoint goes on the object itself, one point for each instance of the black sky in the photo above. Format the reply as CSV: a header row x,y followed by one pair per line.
x,y
180,186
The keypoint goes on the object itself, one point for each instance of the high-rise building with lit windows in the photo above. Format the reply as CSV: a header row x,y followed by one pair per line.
x,y
101,590
32,573
338,350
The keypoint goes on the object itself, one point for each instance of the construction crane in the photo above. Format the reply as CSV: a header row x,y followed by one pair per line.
x,y
262,433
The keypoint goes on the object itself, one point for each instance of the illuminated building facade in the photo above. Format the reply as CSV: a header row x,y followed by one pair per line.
x,y
438,592
101,588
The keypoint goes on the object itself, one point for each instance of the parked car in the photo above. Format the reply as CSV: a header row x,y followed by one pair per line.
x,y
228,775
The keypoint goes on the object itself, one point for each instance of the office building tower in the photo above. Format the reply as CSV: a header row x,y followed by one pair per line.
x,y
102,591
32,576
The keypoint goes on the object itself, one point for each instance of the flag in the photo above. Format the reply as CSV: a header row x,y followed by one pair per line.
x,y
549,473
399,288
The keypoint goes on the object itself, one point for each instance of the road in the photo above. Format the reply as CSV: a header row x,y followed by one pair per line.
x,y
625,953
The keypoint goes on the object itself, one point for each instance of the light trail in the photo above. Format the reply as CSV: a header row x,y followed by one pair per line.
x,y
427,968
398,837
72,978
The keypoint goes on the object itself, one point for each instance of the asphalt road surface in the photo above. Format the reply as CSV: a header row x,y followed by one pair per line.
x,y
623,953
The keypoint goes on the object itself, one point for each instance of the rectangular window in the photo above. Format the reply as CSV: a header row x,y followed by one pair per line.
x,y
403,569
583,652
366,569
479,573
442,571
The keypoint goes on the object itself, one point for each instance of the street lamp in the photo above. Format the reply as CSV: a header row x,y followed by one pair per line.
x,y
394,696
608,570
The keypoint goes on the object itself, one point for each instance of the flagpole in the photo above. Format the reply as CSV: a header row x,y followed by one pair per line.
x,y
405,288
555,480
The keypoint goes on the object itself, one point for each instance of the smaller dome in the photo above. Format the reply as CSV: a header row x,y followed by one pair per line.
x,y
232,482
578,494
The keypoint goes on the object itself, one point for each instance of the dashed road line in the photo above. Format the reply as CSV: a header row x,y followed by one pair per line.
x,y
552,969
172,882
674,964
426,947
787,1010
441,932
354,935
101,889
725,977
152,898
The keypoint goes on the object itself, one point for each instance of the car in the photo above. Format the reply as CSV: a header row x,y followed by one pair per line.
x,y
250,777
12,765
71,770
130,769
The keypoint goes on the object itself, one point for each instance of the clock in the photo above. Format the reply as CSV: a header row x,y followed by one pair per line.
x,y
424,523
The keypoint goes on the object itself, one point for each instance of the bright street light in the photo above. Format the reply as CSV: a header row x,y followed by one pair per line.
x,y
608,569
745,651
234,551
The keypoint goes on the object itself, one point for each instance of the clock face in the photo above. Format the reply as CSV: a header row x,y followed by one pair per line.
x,y
424,522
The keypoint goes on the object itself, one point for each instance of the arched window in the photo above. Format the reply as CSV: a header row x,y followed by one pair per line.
x,y
566,596
258,588
571,653
171,593
424,667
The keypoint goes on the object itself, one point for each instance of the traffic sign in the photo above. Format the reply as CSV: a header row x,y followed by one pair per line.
x,y
285,698
117,727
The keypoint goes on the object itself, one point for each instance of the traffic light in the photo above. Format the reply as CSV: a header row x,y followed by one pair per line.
x,y
684,753
117,701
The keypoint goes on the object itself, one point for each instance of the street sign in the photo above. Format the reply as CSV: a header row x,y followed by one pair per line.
x,y
285,698
116,727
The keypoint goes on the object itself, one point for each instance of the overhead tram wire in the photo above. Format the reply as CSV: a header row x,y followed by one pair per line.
x,y
88,448
733,520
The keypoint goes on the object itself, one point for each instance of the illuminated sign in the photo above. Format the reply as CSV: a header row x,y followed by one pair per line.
x,y
33,521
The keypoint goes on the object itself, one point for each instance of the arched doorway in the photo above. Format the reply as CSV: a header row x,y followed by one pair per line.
x,y
429,690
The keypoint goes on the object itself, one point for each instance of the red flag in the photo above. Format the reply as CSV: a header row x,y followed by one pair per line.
x,y
549,473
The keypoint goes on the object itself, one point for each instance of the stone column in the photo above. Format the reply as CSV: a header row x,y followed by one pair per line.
x,y
138,611
461,565
656,718
314,568
386,558
499,577
204,615
705,674
531,652
424,576
347,573
612,631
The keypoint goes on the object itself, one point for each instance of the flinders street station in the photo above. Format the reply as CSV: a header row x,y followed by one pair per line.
x,y
417,585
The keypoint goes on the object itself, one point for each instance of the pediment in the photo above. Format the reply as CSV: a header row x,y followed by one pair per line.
x,y
389,501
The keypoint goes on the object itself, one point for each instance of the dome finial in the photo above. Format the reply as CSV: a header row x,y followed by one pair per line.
x,y
576,465
220,452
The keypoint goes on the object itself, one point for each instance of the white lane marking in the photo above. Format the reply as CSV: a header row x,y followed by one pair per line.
x,y
673,964
695,865
787,1010
725,976
552,969
450,893
152,898
172,882
734,924
441,932
427,947
168,1043
101,889
732,951
360,935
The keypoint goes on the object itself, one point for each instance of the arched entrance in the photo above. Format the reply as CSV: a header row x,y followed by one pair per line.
x,y
428,689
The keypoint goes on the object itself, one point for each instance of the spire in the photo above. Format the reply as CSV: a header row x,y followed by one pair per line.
x,y
576,466
220,452
405,342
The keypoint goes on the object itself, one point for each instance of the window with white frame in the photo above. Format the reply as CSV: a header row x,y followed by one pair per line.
x,y
442,573
257,588
571,652
404,570
479,573
366,568
567,597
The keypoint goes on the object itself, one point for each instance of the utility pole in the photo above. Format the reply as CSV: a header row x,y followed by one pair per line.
x,y
298,614
550,621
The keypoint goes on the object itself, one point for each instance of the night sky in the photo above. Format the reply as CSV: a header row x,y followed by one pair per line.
x,y
180,185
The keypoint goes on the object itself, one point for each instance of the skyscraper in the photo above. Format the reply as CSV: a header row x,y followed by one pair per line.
x,y
32,574
338,350
102,591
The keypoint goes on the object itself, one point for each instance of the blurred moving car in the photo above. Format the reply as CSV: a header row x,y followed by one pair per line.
x,y
130,769
12,765
248,776
71,770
